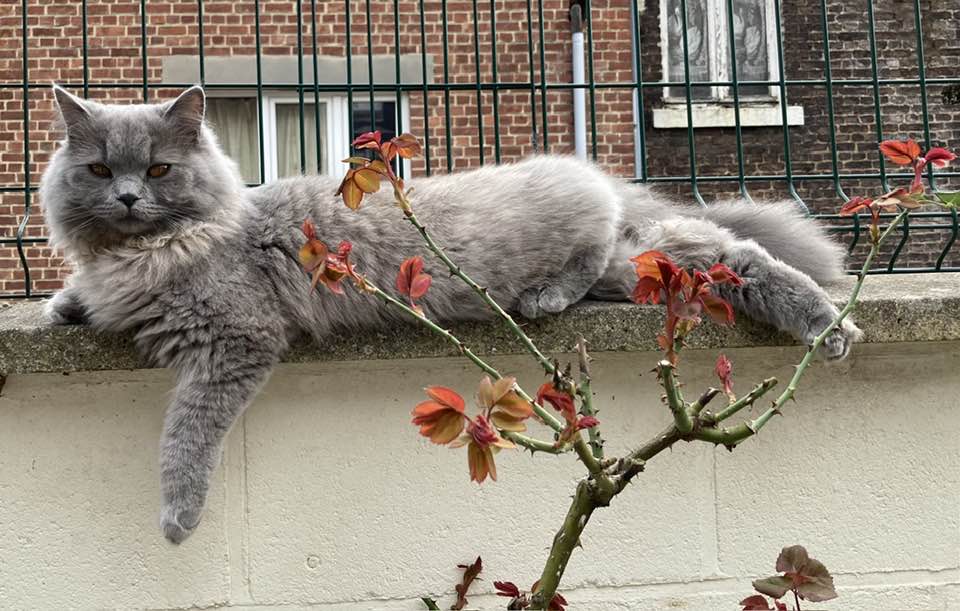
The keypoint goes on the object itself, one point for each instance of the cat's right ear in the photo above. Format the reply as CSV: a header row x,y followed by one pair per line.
x,y
73,111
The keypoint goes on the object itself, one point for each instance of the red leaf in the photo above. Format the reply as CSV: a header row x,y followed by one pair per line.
x,y
506,588
900,152
411,281
939,157
469,574
755,603
855,205
724,371
309,230
587,422
721,274
365,140
719,309
561,401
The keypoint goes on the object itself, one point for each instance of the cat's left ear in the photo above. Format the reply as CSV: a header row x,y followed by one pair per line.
x,y
185,113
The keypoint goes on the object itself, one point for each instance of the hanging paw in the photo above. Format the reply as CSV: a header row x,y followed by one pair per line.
x,y
179,519
837,344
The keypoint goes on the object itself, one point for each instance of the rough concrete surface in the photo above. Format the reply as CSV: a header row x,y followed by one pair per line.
x,y
893,308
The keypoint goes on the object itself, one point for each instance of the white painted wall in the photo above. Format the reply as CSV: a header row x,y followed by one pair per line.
x,y
328,498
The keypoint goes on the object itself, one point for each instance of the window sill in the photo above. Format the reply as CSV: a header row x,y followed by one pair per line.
x,y
921,303
673,116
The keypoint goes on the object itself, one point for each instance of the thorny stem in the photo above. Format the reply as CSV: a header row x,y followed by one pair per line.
x,y
623,470
527,442
745,401
586,398
681,417
479,290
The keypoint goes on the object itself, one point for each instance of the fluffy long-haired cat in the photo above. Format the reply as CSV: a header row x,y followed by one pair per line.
x,y
168,243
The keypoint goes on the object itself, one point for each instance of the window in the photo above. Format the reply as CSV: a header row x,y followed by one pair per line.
x,y
708,46
325,132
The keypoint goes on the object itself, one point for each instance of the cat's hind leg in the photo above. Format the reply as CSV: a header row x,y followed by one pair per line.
x,y
773,292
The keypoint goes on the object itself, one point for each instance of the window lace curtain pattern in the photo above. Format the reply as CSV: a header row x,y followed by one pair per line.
x,y
234,120
288,140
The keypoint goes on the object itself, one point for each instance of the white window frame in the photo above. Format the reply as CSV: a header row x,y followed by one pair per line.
x,y
718,37
337,120
717,111
336,108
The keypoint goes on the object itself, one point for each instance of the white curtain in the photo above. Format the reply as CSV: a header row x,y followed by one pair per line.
x,y
288,139
235,122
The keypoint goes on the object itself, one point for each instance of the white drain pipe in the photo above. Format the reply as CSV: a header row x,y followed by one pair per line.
x,y
579,78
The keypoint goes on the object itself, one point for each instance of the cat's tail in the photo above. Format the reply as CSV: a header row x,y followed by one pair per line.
x,y
782,230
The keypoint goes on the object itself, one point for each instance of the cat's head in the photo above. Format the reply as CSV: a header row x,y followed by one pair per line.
x,y
134,170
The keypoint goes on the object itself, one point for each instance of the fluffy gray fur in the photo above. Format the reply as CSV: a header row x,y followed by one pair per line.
x,y
203,270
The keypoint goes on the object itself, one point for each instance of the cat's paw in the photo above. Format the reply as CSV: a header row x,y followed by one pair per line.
x,y
65,309
179,520
837,344
537,302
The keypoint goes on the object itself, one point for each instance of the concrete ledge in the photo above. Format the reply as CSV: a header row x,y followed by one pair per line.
x,y
893,308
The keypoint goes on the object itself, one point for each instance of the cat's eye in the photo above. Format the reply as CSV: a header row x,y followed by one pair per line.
x,y
100,170
156,171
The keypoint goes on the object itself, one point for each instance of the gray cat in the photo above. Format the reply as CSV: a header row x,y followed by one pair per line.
x,y
168,243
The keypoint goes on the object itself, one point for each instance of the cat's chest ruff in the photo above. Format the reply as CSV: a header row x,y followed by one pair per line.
x,y
124,286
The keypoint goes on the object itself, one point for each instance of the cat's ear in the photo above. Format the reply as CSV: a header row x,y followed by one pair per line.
x,y
73,111
186,113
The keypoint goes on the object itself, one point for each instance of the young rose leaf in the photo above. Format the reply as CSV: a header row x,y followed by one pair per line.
x,y
470,573
411,281
724,371
775,586
430,604
900,152
441,420
557,603
855,205
587,422
361,161
951,200
406,145
367,140
755,603
506,588
939,157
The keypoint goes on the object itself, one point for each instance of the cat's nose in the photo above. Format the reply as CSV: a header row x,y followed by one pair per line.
x,y
128,199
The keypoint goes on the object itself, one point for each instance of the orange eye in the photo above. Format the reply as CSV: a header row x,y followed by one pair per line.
x,y
156,171
100,170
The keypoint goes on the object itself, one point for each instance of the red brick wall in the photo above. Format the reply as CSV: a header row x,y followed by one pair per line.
x,y
114,52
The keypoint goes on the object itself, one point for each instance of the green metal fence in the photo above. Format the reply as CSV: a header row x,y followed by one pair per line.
x,y
647,92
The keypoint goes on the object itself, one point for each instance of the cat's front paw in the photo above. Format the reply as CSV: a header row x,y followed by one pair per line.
x,y
65,309
837,344
179,519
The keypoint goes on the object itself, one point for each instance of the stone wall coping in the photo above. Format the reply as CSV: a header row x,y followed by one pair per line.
x,y
893,308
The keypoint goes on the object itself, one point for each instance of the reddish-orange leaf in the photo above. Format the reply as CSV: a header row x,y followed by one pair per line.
x,y
939,157
855,205
366,139
480,461
470,573
721,274
719,310
367,180
900,152
445,396
406,145
647,266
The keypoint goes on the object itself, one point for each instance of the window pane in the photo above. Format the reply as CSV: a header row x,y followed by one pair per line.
x,y
288,139
384,119
697,46
234,120
750,33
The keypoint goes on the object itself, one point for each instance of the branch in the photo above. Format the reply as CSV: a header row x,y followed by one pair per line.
x,y
532,444
542,413
586,399
481,291
745,401
681,417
